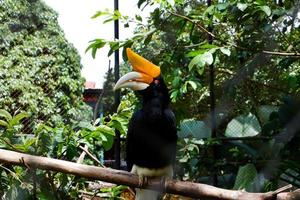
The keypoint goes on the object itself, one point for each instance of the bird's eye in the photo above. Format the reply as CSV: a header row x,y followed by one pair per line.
x,y
156,82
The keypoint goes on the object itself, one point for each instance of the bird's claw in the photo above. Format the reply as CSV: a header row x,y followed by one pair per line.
x,y
143,181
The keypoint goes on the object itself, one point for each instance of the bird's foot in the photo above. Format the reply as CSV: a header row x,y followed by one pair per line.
x,y
143,181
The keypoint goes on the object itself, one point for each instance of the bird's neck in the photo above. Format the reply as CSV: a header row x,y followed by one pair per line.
x,y
154,108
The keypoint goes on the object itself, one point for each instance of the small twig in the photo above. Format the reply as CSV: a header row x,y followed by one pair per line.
x,y
91,156
194,22
82,155
295,54
268,86
282,189
33,172
10,145
101,95
244,138
12,173
49,179
92,194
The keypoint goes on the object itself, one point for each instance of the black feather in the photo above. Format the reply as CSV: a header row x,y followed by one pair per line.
x,y
152,133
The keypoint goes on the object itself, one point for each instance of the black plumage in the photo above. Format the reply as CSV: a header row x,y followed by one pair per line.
x,y
152,134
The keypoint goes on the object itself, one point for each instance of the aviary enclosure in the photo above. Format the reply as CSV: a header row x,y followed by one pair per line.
x,y
233,74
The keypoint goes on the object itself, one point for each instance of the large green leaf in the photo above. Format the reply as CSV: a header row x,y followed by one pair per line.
x,y
16,119
242,6
243,126
266,9
194,128
245,177
200,61
108,143
225,51
3,123
5,114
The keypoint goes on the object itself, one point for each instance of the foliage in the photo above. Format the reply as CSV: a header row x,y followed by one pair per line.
x,y
39,70
113,193
41,107
60,142
253,48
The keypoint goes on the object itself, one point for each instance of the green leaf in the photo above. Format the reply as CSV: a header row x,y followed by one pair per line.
x,y
193,84
176,82
95,45
266,9
3,123
200,61
25,147
195,53
174,95
242,6
16,119
86,125
108,143
222,6
225,51
138,18
208,46
184,159
5,114
207,58
245,177
105,129
140,2
194,128
119,124
108,20
148,36
171,2
100,13
243,126
113,47
209,10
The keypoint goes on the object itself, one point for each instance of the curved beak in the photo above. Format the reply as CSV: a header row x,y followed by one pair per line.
x,y
143,73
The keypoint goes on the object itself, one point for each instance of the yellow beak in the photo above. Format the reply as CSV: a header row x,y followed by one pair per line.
x,y
143,74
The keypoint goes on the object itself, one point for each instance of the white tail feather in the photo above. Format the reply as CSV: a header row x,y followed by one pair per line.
x,y
146,194
142,194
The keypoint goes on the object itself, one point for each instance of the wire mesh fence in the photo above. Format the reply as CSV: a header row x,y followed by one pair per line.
x,y
252,119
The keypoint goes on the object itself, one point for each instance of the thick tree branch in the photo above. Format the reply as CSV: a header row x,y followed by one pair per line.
x,y
190,189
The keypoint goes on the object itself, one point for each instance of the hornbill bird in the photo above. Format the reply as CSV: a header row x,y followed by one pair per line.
x,y
152,133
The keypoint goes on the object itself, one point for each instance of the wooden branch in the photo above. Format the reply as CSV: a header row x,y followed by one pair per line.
x,y
82,155
190,189
85,149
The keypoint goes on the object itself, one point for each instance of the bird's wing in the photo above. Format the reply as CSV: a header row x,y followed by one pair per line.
x,y
130,140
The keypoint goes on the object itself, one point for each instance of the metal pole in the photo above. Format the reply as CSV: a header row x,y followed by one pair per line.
x,y
212,103
117,93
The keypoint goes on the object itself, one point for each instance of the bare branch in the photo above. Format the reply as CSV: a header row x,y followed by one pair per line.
x,y
190,189
82,155
294,54
85,149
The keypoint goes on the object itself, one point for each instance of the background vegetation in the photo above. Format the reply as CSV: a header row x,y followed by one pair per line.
x,y
252,45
